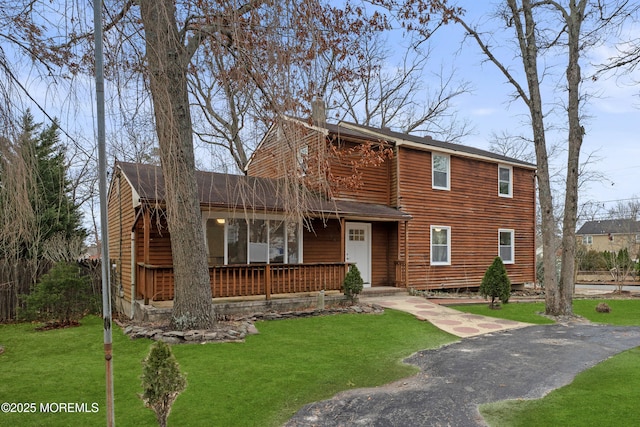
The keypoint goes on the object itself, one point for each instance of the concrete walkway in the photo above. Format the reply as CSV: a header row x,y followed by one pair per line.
x,y
449,320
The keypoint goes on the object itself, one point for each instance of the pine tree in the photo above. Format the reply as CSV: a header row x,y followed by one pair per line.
x,y
54,211
162,381
496,283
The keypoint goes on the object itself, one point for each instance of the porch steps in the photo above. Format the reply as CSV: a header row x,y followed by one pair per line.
x,y
383,291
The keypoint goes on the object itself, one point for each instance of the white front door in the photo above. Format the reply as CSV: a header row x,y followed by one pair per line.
x,y
358,248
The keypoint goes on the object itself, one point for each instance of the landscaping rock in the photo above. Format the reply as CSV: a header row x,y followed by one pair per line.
x,y
232,329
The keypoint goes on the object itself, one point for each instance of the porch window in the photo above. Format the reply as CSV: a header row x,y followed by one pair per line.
x,y
277,243
273,241
505,246
292,242
215,240
440,245
237,241
505,175
440,171
258,243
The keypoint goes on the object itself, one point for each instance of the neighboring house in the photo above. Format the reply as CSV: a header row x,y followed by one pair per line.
x,y
610,235
432,215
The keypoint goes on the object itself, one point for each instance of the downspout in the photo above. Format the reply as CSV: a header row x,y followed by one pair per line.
x,y
133,274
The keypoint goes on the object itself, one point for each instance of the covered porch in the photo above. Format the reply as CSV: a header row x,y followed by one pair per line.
x,y
155,282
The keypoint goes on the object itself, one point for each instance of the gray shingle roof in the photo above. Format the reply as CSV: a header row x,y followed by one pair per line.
x,y
240,191
613,226
349,129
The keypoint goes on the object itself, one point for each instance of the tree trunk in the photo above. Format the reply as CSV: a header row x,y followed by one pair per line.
x,y
167,68
576,134
529,51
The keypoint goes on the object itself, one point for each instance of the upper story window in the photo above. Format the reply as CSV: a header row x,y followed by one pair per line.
x,y
506,249
301,158
440,171
637,238
587,240
440,245
505,181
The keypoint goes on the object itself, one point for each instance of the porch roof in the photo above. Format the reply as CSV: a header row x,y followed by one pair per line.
x,y
247,192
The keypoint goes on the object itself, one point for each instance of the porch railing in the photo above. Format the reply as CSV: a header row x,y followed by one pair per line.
x,y
155,282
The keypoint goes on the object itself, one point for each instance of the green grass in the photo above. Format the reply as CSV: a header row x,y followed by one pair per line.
x,y
607,394
257,383
623,312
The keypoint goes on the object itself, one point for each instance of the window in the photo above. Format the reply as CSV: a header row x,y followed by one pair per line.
x,y
440,171
215,240
506,246
505,175
440,245
258,241
301,158
356,235
237,241
637,238
587,240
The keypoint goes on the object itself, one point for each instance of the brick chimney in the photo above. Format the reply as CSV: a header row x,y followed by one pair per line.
x,y
318,111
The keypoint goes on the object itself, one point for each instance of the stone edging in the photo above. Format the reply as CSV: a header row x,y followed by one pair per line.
x,y
235,330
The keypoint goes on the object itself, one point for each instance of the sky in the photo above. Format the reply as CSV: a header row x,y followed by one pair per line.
x,y
612,126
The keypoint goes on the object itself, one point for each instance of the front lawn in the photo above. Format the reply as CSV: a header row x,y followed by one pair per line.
x,y
624,312
607,394
257,383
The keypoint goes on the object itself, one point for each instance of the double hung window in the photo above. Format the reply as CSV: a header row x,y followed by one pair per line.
x,y
506,246
505,181
440,245
441,176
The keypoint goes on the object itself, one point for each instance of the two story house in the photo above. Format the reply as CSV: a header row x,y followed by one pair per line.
x,y
610,235
316,197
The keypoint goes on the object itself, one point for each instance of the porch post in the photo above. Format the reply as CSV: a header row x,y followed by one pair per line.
x,y
267,281
343,242
146,224
406,253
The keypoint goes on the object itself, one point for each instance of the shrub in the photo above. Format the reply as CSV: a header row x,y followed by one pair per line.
x,y
353,283
63,296
592,260
496,283
162,381
603,307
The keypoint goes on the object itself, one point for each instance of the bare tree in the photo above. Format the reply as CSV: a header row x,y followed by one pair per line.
x,y
389,91
542,27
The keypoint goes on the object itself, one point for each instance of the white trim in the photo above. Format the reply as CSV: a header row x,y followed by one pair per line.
x,y
510,169
226,215
513,245
447,186
367,227
441,227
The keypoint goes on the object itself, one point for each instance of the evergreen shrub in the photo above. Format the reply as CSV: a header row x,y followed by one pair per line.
x,y
496,283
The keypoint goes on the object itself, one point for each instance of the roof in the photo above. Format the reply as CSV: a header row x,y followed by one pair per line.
x,y
368,133
610,226
240,192
427,143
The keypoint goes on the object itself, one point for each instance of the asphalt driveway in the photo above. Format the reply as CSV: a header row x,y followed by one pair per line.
x,y
454,379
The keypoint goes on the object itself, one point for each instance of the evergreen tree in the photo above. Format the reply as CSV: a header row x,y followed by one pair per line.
x,y
162,381
496,283
52,209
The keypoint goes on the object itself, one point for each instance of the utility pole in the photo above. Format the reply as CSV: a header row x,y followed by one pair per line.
x,y
104,234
